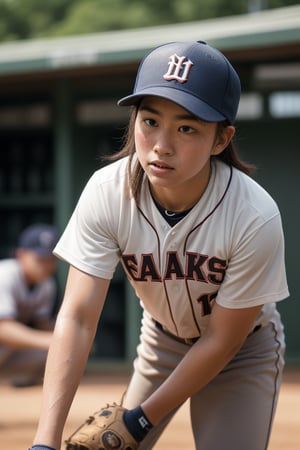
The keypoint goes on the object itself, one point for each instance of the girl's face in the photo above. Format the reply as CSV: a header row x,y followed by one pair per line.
x,y
174,148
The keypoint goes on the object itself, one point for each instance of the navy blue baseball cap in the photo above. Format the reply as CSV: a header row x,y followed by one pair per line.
x,y
39,238
194,75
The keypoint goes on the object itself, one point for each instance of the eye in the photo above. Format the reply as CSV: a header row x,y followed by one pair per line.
x,y
150,122
186,129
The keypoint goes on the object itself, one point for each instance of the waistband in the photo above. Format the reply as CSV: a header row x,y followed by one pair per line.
x,y
187,341
190,341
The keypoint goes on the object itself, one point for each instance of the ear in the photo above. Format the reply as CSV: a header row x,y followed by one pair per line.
x,y
223,139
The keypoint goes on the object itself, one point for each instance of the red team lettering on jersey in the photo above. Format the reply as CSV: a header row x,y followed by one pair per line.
x,y
198,267
145,269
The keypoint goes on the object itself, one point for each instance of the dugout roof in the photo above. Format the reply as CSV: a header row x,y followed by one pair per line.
x,y
263,35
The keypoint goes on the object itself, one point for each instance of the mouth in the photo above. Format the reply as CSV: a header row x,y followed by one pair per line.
x,y
161,165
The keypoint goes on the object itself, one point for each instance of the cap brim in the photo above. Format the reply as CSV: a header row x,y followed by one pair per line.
x,y
43,252
187,101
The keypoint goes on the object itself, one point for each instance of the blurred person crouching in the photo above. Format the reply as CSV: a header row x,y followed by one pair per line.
x,y
27,298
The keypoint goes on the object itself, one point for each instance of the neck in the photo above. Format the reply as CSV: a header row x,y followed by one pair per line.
x,y
170,216
181,199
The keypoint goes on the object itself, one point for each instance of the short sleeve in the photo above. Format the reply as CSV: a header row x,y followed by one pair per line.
x,y
88,242
256,271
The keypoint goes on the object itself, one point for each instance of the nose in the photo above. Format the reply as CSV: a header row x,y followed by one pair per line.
x,y
163,145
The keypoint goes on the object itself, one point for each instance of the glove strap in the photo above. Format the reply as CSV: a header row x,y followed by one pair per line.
x,y
137,423
41,447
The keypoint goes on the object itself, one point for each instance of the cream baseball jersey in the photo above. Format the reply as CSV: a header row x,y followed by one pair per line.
x,y
228,249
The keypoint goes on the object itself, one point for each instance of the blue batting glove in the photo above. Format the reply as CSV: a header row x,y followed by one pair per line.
x,y
41,447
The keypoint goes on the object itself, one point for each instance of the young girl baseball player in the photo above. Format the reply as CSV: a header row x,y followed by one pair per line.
x,y
202,245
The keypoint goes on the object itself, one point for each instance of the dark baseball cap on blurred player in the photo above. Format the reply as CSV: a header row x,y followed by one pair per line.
x,y
194,75
39,238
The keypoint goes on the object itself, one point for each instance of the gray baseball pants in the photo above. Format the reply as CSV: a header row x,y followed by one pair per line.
x,y
234,411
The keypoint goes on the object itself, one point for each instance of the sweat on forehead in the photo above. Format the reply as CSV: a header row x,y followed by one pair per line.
x,y
194,75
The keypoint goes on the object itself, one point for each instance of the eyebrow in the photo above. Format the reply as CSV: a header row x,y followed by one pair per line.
x,y
184,116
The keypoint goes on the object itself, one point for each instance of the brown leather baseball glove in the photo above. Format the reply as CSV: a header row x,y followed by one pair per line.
x,y
104,430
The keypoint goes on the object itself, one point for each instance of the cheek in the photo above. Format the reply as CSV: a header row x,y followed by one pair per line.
x,y
139,136
194,155
43,269
39,271
194,162
142,143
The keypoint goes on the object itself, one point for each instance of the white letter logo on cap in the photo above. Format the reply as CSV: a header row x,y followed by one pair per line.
x,y
179,68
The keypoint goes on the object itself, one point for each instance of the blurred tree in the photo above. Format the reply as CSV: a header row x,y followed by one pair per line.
x,y
23,19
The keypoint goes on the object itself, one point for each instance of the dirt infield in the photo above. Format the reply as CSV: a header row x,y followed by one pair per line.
x,y
20,411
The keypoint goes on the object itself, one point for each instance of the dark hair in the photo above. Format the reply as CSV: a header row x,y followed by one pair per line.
x,y
229,156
